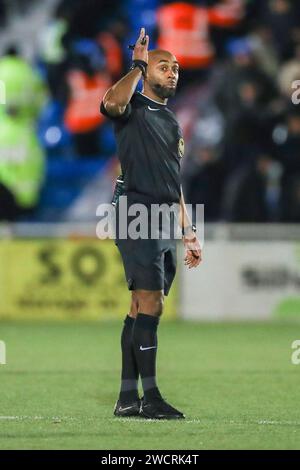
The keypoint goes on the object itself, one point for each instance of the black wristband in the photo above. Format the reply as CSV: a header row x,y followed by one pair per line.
x,y
141,64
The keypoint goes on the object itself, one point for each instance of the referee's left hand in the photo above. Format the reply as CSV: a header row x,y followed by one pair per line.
x,y
193,252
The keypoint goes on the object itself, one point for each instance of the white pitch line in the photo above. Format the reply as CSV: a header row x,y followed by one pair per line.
x,y
141,420
204,423
33,418
68,418
9,417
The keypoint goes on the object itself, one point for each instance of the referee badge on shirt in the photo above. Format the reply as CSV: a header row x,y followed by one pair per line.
x,y
181,147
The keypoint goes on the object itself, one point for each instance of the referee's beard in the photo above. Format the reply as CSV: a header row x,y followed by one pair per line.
x,y
162,91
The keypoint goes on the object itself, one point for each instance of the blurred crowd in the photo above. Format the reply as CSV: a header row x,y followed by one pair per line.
x,y
239,66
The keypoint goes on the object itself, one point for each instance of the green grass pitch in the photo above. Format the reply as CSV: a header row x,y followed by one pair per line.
x,y
235,382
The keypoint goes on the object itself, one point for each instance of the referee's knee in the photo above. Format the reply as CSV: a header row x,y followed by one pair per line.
x,y
160,305
151,302
134,307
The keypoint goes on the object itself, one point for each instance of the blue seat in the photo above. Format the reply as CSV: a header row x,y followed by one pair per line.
x,y
63,183
52,133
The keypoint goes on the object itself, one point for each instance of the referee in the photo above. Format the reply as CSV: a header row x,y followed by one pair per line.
x,y
150,147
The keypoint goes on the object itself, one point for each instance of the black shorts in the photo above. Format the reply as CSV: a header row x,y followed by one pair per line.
x,y
149,264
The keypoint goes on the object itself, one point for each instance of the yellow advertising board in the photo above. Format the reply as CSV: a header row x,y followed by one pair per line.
x,y
65,279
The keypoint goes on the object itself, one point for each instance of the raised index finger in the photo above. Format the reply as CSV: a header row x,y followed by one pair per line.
x,y
142,34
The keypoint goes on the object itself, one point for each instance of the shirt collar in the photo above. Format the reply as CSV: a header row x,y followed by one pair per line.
x,y
152,102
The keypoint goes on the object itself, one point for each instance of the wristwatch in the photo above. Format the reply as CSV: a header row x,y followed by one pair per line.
x,y
189,229
141,64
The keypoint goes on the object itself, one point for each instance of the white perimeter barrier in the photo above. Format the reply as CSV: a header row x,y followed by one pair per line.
x,y
247,273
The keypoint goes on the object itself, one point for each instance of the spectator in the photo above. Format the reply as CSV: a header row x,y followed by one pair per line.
x,y
52,50
251,51
289,156
282,17
183,29
86,80
263,49
88,17
204,182
253,194
110,43
241,69
288,150
24,88
21,158
291,199
21,166
289,72
245,95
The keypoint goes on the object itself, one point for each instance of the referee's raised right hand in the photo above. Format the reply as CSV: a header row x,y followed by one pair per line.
x,y
140,51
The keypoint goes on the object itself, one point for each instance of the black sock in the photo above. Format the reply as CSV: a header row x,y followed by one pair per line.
x,y
145,347
130,374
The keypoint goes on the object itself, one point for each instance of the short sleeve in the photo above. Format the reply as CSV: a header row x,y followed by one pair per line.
x,y
122,118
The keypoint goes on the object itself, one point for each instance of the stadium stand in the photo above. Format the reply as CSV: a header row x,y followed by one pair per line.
x,y
234,103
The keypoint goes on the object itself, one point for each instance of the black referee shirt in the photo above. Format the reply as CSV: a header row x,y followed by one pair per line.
x,y
150,147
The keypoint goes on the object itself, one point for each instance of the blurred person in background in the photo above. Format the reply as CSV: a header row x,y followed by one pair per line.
x,y
283,19
289,72
253,194
88,17
52,51
86,80
204,181
289,156
263,49
291,200
110,40
21,166
184,29
25,89
263,56
241,68
245,95
203,171
288,150
21,157
82,53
